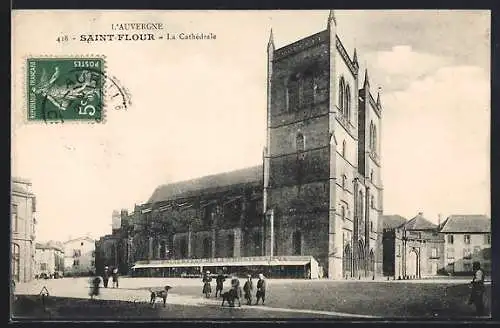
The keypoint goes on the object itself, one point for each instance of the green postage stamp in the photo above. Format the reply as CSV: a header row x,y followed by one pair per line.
x,y
65,89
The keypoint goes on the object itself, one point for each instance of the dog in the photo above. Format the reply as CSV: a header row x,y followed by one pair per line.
x,y
159,293
230,297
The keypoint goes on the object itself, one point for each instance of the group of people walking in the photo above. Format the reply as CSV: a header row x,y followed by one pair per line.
x,y
236,291
110,274
95,280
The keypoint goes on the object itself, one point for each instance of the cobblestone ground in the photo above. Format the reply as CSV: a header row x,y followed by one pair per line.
x,y
286,299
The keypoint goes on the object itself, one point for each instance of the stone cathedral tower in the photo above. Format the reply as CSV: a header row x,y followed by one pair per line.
x,y
322,180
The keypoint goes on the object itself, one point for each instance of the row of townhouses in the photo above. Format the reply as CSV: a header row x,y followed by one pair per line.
x,y
30,259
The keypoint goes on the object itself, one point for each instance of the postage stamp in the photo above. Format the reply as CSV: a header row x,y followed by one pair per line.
x,y
65,89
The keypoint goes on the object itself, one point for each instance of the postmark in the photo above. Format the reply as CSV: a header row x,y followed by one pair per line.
x,y
66,89
72,89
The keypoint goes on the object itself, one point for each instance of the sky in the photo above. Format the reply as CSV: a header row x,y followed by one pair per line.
x,y
199,107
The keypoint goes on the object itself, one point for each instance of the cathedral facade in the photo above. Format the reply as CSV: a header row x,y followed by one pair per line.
x,y
322,183
318,192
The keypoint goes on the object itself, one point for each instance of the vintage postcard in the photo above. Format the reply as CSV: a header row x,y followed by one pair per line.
x,y
257,164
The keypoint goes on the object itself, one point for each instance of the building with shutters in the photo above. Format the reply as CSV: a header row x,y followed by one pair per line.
x,y
23,223
418,248
49,259
467,238
79,256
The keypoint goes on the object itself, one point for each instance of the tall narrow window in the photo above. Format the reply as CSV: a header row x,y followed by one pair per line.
x,y
347,103
341,95
343,148
371,136
184,247
374,146
297,243
344,178
207,247
343,213
372,201
230,245
466,239
257,241
293,92
14,217
300,142
307,89
208,213
450,239
487,239
371,176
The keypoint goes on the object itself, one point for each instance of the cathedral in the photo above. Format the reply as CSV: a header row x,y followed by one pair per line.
x,y
318,193
322,183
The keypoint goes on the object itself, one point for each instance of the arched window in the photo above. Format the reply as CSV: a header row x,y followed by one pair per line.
x,y
344,179
347,103
371,267
361,255
300,144
372,202
300,89
342,212
341,94
15,262
297,243
207,247
371,136
346,261
208,215
343,148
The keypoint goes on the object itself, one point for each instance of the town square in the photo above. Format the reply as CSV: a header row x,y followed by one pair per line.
x,y
316,164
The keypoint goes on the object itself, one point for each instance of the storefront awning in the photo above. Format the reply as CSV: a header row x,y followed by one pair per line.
x,y
224,263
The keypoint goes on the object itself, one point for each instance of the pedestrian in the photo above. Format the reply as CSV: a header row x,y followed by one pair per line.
x,y
105,277
236,291
477,288
115,278
95,282
207,288
219,283
261,289
12,289
248,289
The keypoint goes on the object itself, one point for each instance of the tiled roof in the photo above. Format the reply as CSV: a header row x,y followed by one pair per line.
x,y
80,238
392,221
467,223
419,223
49,245
194,187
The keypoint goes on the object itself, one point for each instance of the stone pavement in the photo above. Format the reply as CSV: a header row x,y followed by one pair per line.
x,y
79,288
317,298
